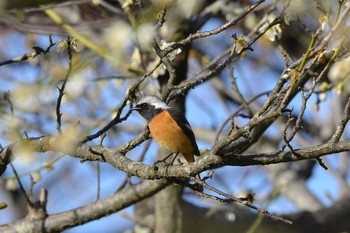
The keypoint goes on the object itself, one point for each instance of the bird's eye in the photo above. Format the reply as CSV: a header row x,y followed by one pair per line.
x,y
143,106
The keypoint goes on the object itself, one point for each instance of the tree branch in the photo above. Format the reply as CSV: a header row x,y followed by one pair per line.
x,y
163,170
37,51
100,208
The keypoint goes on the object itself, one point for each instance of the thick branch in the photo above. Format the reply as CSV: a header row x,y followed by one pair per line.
x,y
87,213
163,170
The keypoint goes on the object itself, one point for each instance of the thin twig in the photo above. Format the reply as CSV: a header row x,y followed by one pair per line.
x,y
221,128
238,92
21,186
341,126
321,163
61,89
167,63
231,198
227,25
140,159
139,220
37,51
98,170
47,165
285,138
118,119
125,182
217,68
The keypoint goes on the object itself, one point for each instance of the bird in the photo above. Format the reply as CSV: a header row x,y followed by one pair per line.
x,y
169,128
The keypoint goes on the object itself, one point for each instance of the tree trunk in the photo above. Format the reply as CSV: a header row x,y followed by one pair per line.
x,y
168,211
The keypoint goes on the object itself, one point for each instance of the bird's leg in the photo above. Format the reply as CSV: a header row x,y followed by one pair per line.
x,y
168,156
172,161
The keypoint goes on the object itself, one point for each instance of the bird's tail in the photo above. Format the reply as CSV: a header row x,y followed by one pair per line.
x,y
190,159
198,187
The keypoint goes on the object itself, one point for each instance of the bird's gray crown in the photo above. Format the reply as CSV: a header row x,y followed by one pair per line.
x,y
153,100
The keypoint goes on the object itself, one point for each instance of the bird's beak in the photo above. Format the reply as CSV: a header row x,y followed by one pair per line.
x,y
135,108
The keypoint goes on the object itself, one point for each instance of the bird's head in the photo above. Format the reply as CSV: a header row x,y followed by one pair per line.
x,y
150,106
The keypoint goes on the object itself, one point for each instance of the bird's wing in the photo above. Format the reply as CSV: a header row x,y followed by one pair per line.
x,y
186,127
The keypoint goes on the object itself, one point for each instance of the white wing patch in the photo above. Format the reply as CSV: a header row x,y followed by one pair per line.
x,y
188,126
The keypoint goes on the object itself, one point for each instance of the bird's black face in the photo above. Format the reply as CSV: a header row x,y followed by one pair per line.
x,y
147,111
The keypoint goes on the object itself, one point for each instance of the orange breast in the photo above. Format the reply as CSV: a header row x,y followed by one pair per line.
x,y
170,136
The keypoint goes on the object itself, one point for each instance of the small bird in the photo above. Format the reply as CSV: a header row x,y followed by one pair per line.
x,y
169,128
